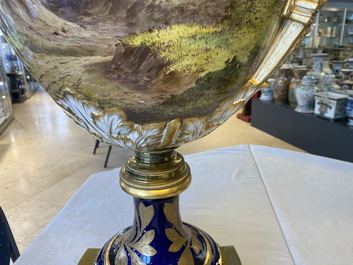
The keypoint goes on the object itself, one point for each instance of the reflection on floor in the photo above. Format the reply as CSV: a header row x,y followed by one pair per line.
x,y
45,157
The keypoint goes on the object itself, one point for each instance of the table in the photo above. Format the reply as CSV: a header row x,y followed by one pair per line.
x,y
276,207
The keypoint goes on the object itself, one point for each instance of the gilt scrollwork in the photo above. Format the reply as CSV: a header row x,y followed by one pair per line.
x,y
116,129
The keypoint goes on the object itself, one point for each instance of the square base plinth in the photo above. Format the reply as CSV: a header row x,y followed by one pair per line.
x,y
229,254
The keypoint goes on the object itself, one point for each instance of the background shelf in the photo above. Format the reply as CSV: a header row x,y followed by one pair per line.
x,y
306,131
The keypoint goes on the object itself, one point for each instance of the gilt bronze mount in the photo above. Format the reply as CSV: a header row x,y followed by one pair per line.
x,y
155,175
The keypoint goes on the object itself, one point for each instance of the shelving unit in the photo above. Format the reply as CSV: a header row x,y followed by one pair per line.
x,y
15,71
6,115
333,27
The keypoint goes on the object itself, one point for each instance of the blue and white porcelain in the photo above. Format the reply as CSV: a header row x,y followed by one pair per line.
x,y
329,83
266,91
330,105
347,83
350,63
337,66
299,72
321,65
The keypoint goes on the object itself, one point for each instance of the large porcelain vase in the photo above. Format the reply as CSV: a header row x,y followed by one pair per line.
x,y
299,72
281,87
150,76
305,94
321,65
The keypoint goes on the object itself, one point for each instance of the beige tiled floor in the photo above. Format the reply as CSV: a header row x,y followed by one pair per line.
x,y
45,157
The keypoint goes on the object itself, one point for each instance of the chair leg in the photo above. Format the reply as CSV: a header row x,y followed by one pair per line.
x,y
96,146
107,157
14,249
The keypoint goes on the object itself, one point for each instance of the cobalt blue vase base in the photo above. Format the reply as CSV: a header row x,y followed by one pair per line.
x,y
158,237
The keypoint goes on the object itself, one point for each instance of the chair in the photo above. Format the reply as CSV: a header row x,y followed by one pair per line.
x,y
96,145
8,246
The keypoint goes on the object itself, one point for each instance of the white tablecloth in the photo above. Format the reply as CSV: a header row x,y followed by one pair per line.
x,y
276,207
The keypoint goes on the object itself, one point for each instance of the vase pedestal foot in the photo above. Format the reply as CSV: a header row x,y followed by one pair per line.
x,y
229,256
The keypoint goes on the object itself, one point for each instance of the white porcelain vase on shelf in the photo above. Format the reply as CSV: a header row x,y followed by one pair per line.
x,y
266,92
349,63
347,83
329,83
321,65
299,72
337,66
281,86
305,94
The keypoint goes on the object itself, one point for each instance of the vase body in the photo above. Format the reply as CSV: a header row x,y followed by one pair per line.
x,y
153,75
298,72
281,87
305,94
121,67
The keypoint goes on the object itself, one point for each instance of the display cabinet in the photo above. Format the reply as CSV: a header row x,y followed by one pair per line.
x,y
18,79
333,28
330,27
347,39
5,105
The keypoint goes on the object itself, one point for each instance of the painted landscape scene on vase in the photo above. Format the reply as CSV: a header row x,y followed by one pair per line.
x,y
154,59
